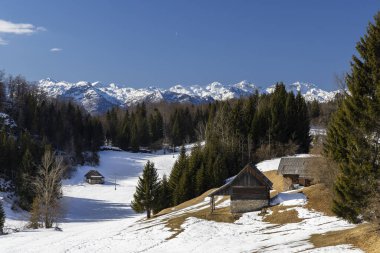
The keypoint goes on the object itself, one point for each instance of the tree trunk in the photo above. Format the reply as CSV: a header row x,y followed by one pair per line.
x,y
148,213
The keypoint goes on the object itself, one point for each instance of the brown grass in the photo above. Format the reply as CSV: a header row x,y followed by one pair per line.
x,y
277,180
185,204
280,215
365,236
319,198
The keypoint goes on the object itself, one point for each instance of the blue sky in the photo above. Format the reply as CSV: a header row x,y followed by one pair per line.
x,y
162,43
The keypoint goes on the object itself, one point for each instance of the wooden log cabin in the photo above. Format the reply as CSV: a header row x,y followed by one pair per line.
x,y
298,170
249,190
94,177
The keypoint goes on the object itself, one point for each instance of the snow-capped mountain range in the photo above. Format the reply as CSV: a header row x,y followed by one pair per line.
x,y
97,97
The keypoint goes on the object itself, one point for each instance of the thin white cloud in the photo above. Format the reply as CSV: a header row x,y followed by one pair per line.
x,y
41,29
7,27
55,49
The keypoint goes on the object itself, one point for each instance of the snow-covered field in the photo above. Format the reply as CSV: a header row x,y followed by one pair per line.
x,y
99,218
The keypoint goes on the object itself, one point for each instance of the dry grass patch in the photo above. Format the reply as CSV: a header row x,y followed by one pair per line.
x,y
281,215
185,204
365,236
319,198
277,180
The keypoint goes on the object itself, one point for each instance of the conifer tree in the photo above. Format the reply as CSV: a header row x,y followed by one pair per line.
x,y
164,198
2,218
278,117
314,109
134,138
24,190
2,94
125,132
201,181
179,169
354,135
184,188
302,125
147,192
220,172
194,164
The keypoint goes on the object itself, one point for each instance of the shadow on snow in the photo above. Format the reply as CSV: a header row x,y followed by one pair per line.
x,y
91,210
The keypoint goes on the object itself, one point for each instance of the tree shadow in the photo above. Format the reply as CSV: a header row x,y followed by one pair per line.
x,y
91,210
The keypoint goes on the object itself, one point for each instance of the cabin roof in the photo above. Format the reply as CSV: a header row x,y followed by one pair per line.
x,y
295,166
93,173
249,168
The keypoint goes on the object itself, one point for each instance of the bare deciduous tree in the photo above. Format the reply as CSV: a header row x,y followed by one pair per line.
x,y
48,187
340,80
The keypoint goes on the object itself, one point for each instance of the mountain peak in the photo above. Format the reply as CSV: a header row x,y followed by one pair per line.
x,y
102,97
49,79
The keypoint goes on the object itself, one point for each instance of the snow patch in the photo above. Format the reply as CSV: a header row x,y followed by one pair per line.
x,y
289,199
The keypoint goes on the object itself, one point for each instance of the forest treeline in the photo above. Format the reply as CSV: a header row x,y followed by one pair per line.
x,y
250,130
153,126
41,122
236,132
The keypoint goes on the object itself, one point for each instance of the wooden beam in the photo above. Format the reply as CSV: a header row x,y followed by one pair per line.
x,y
212,204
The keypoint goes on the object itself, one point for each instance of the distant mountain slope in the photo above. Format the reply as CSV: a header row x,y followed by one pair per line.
x,y
97,97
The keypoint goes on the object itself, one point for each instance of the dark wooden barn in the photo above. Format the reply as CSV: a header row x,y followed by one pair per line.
x,y
298,170
249,190
94,177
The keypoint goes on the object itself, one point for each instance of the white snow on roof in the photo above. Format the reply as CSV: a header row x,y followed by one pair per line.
x,y
273,164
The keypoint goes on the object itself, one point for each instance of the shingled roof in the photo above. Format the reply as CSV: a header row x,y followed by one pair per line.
x,y
296,166
92,174
250,169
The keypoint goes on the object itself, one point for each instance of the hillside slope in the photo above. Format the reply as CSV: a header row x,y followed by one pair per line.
x,y
98,218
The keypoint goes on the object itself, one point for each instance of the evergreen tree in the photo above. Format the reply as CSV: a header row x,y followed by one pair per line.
x,y
201,181
354,135
302,125
134,139
220,171
176,135
179,169
278,120
164,198
124,137
194,164
147,192
2,217
2,93
314,109
156,125
184,188
25,192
